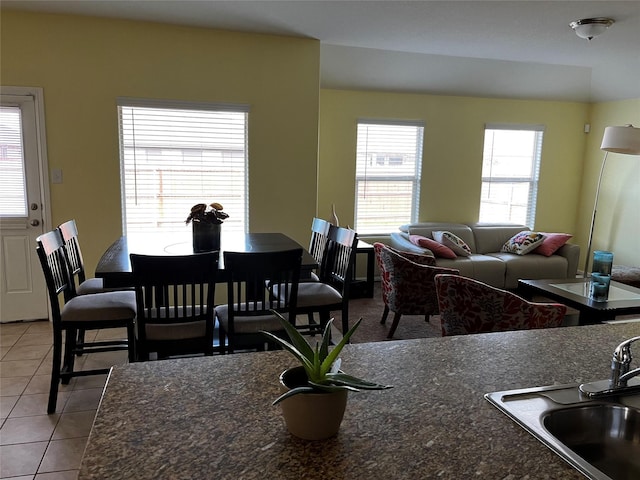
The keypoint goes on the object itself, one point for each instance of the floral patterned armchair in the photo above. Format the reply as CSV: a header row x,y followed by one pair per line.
x,y
469,306
407,283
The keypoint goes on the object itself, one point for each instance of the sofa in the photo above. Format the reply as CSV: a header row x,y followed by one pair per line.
x,y
486,261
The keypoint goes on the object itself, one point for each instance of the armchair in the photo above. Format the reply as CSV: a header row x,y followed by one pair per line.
x,y
407,286
470,306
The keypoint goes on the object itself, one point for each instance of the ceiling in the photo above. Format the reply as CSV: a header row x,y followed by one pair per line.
x,y
515,49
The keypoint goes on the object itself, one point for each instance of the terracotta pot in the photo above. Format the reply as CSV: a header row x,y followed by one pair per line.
x,y
311,416
206,237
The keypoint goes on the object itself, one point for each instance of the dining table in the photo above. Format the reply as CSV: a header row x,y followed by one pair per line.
x,y
114,266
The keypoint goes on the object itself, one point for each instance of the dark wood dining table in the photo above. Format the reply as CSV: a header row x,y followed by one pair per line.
x,y
114,267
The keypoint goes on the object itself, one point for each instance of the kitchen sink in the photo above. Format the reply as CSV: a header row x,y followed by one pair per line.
x,y
599,437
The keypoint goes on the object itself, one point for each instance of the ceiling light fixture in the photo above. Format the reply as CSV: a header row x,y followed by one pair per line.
x,y
591,27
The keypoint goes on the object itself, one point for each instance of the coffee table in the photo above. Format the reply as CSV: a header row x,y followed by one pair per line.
x,y
574,292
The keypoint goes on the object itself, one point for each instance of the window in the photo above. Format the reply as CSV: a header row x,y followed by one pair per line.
x,y
13,193
510,170
174,155
388,163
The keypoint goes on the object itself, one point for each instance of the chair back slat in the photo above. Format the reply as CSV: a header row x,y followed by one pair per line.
x,y
319,237
51,252
174,290
341,248
253,276
69,232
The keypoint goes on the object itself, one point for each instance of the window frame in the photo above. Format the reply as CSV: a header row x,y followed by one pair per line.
x,y
128,102
533,180
391,159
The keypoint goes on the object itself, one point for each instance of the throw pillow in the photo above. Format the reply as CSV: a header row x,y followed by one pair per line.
x,y
523,242
452,241
438,249
551,243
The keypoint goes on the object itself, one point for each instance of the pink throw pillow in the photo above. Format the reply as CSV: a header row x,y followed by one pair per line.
x,y
551,243
438,249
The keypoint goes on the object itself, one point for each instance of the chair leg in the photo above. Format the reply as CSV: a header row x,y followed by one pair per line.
x,y
55,371
345,317
69,355
384,315
131,341
80,341
394,325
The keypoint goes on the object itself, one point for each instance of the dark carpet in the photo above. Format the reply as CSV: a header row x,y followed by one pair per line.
x,y
370,330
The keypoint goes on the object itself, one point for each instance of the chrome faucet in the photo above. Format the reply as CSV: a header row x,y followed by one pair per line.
x,y
620,374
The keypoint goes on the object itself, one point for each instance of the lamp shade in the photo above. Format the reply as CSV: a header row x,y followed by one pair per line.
x,y
621,140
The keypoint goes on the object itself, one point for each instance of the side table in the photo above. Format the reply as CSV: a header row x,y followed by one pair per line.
x,y
363,288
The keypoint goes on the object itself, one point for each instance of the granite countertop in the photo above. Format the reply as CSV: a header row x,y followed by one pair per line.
x,y
211,417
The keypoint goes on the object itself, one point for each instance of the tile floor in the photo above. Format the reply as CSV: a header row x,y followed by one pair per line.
x,y
34,445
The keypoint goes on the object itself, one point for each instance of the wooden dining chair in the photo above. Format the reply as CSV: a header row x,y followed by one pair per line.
x,y
251,279
81,284
79,281
331,293
71,312
318,244
175,298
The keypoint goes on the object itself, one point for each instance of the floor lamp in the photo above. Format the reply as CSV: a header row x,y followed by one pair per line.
x,y
624,140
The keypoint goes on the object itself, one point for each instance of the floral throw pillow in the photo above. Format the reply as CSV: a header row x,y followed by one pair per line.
x,y
452,241
523,242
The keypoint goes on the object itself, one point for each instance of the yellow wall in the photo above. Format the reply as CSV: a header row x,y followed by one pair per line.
x,y
617,226
452,163
83,64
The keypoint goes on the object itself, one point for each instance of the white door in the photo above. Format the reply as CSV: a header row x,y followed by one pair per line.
x,y
23,179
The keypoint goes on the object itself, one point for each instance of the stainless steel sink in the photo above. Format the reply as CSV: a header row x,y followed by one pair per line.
x,y
600,438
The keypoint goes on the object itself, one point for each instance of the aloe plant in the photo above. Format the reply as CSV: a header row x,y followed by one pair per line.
x,y
321,364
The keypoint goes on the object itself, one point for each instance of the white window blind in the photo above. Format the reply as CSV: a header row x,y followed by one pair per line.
x,y
13,195
174,156
388,166
510,172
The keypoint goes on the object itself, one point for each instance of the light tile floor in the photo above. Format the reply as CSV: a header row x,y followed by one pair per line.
x,y
34,445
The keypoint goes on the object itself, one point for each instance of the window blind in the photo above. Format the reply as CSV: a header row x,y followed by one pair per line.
x,y
510,173
388,166
13,195
175,155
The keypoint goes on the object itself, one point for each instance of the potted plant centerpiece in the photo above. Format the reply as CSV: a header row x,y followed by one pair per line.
x,y
206,221
315,393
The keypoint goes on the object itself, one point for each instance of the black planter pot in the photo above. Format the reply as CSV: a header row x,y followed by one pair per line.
x,y
206,236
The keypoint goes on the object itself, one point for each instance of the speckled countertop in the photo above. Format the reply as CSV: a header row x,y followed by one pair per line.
x,y
211,418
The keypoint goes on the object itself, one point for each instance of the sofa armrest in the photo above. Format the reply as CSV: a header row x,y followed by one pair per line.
x,y
400,241
572,253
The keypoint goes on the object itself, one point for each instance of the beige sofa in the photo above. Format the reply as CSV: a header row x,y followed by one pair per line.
x,y
487,263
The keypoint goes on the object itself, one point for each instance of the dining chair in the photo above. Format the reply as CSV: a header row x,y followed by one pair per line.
x,y
408,286
470,306
71,312
318,243
252,277
175,298
331,292
79,281
81,284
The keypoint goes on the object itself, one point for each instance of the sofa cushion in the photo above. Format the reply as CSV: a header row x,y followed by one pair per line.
x,y
551,243
490,237
485,268
523,242
438,250
452,241
530,267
